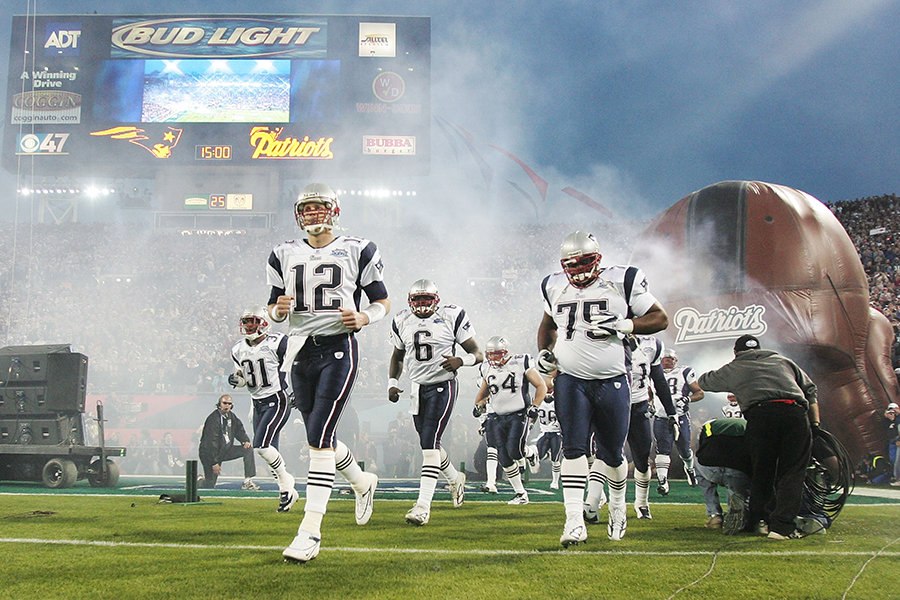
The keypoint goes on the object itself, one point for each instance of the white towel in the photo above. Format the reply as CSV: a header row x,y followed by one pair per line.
x,y
413,398
295,343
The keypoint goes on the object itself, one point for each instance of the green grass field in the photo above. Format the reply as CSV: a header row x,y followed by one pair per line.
x,y
81,546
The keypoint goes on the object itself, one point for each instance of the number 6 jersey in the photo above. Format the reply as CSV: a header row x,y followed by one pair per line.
x,y
427,339
324,280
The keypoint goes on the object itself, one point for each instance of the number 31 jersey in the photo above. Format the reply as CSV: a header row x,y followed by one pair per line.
x,y
260,365
324,280
426,341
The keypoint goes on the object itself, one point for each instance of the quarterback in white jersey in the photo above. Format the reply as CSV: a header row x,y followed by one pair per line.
x,y
425,336
258,358
317,284
683,386
507,380
588,310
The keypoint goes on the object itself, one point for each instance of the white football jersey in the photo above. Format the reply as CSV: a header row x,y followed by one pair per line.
x,y
621,291
260,365
648,354
508,387
679,379
732,412
426,341
547,416
324,280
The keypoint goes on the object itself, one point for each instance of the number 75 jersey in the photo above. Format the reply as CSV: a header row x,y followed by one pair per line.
x,y
324,280
621,291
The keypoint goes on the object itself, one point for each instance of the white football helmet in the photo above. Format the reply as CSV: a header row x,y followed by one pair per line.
x,y
254,322
496,351
669,359
423,298
316,221
580,258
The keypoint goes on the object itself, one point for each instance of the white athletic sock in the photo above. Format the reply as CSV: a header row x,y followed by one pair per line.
x,y
273,458
491,466
319,484
515,478
554,469
346,465
642,488
662,466
596,493
447,467
574,474
616,477
431,468
688,462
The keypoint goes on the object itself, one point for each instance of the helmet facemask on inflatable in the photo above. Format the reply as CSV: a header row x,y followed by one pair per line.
x,y
423,298
317,209
580,258
254,323
496,351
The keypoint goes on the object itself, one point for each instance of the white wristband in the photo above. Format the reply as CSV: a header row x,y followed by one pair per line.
x,y
274,318
468,360
376,312
393,383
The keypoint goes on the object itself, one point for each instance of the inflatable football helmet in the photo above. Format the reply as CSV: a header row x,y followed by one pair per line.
x,y
324,216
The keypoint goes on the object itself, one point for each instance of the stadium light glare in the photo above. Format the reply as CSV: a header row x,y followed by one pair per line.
x,y
92,192
24,191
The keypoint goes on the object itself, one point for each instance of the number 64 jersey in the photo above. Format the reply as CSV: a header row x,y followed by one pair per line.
x,y
619,291
324,280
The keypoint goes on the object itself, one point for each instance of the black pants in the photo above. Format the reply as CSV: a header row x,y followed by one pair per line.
x,y
779,442
236,451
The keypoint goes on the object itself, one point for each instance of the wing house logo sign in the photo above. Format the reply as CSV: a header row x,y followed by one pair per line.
x,y
718,324
388,87
46,106
268,143
378,39
62,39
394,145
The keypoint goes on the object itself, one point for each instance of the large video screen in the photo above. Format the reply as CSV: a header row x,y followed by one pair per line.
x,y
127,95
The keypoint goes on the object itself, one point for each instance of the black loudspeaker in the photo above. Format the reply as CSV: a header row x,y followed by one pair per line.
x,y
65,430
40,380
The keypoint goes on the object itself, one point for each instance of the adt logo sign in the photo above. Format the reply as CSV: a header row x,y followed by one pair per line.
x,y
62,39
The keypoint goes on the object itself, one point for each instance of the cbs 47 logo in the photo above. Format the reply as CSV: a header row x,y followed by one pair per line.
x,y
41,143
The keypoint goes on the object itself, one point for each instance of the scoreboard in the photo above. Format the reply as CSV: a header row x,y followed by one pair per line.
x,y
129,96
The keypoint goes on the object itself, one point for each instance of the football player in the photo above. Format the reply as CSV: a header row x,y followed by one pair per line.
x,y
549,443
732,410
257,363
588,310
506,383
682,383
646,368
425,336
317,284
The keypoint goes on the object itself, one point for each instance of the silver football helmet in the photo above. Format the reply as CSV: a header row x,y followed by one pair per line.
x,y
317,220
669,359
580,258
423,298
496,351
254,322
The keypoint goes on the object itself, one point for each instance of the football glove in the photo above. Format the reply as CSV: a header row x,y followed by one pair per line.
x,y
676,430
546,362
236,380
604,325
478,410
532,412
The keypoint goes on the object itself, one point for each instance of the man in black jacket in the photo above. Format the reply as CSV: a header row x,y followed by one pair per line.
x,y
217,445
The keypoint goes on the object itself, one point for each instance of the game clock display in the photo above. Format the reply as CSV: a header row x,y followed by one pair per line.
x,y
212,152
